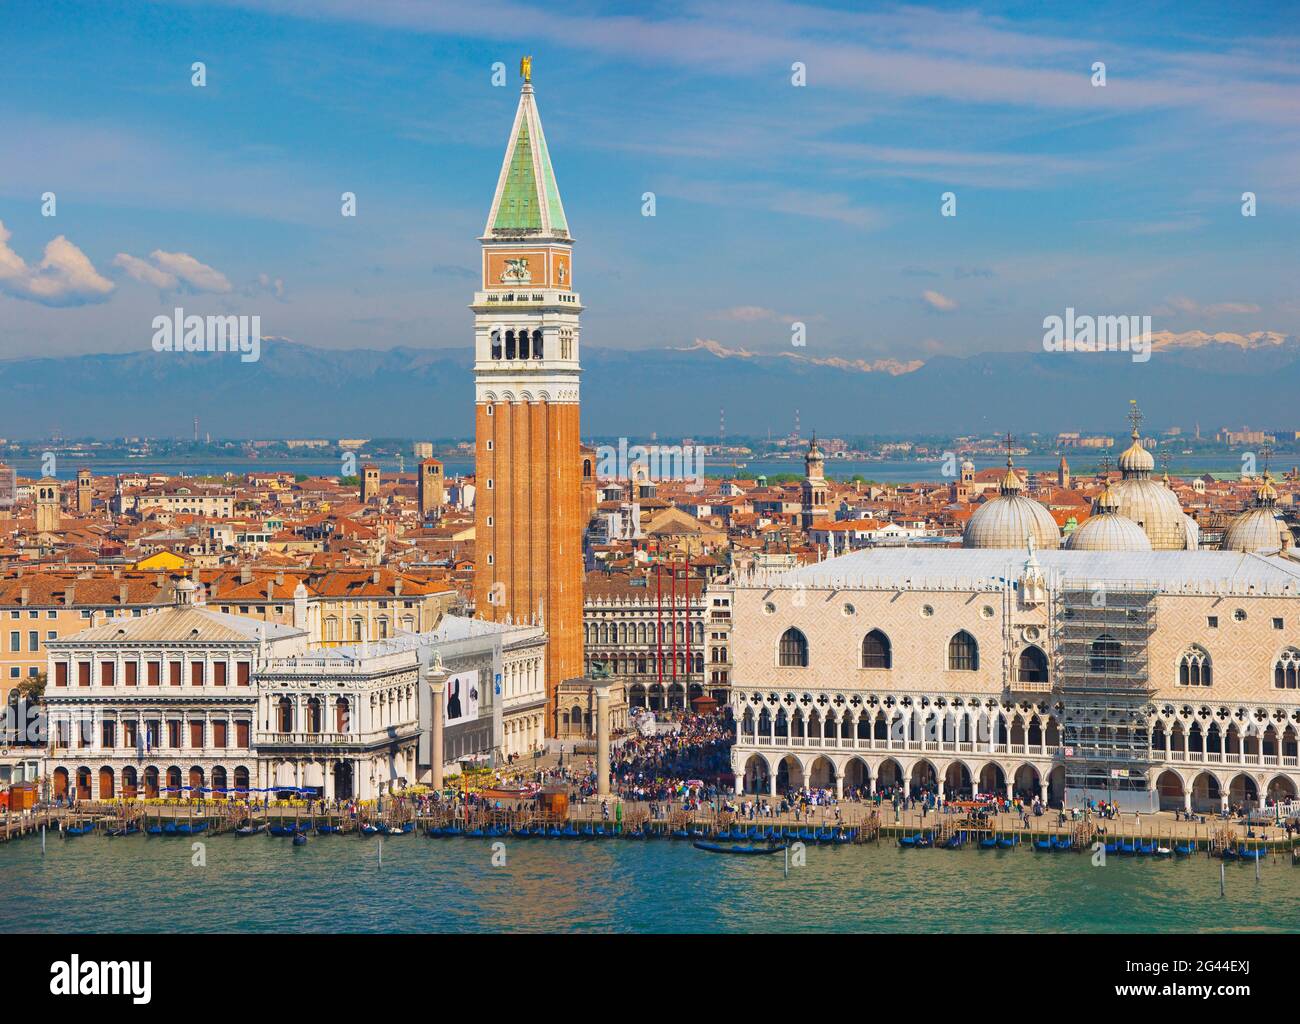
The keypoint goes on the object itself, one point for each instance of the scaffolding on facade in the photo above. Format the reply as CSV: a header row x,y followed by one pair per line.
x,y
1101,634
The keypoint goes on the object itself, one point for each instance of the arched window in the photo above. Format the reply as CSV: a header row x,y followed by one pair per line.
x,y
313,714
963,653
510,344
284,715
1105,658
876,650
793,651
537,344
1032,666
1194,667
523,344
496,343
1286,669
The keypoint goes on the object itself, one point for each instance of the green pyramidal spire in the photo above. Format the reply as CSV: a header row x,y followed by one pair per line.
x,y
527,199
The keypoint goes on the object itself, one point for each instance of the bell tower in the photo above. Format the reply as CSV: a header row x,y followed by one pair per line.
x,y
528,497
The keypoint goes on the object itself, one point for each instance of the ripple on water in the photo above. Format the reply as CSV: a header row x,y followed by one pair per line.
x,y
335,883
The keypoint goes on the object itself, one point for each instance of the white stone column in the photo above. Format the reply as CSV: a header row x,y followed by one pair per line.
x,y
437,688
602,739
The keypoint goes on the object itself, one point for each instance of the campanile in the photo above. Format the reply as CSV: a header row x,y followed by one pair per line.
x,y
528,518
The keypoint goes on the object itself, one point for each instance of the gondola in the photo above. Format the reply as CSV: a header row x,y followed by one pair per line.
x,y
1229,854
1112,847
1256,854
72,831
300,839
1006,842
281,830
323,829
129,829
1062,844
1183,850
569,832
953,842
681,833
907,842
187,828
1127,849
824,835
397,830
1163,851
806,835
250,829
744,850
153,830
1043,844
1146,849
170,829
723,835
372,830
924,840
988,843
843,835
554,832
521,833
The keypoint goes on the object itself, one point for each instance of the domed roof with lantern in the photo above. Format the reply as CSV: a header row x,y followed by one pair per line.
x,y
1259,528
1007,520
1107,530
1150,503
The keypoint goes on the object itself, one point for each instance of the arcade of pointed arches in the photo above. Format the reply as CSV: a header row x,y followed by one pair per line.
x,y
999,746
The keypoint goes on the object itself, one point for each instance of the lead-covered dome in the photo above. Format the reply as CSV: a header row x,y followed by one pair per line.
x,y
1010,519
1258,528
1108,530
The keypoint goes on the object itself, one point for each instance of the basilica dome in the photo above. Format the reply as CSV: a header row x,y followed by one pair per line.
x,y
1010,519
1149,503
1107,530
1258,528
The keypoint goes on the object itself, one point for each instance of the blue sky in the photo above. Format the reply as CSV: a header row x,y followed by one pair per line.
x,y
774,203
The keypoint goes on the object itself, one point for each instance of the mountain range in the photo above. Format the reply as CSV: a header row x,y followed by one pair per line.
x,y
298,390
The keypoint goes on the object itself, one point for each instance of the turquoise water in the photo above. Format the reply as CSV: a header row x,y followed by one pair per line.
x,y
335,883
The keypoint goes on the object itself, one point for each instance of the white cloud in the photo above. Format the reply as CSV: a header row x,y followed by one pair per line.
x,y
64,277
939,301
173,271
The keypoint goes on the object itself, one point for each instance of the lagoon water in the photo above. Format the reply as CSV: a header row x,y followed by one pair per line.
x,y
335,883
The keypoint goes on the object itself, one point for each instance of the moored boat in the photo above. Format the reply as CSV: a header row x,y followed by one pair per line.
x,y
741,849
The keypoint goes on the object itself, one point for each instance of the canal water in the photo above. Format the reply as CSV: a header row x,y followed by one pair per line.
x,y
335,883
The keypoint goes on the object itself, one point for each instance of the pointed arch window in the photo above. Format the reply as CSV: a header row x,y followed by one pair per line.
x,y
1031,666
1194,667
1287,670
793,650
877,652
963,653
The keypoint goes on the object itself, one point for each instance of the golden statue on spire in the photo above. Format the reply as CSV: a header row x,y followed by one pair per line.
x,y
526,69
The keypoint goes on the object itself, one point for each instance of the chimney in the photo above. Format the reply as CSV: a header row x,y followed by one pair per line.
x,y
397,587
245,574
69,595
121,594
279,578
194,575
270,591
25,596
374,576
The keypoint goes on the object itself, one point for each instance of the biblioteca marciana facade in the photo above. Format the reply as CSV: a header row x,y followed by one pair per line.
x,y
186,702
1157,678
